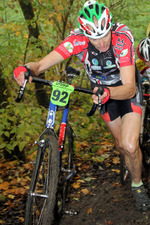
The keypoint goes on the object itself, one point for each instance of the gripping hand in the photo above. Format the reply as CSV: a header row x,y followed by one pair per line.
x,y
100,91
20,69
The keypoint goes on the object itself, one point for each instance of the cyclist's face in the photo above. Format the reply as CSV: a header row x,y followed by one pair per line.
x,y
102,44
148,63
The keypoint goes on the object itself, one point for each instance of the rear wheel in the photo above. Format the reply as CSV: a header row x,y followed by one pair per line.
x,y
145,146
67,170
43,187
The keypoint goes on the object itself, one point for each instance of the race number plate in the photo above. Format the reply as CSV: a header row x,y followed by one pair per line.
x,y
60,93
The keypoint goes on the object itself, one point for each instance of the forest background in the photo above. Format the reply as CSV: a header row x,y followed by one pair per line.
x,y
29,30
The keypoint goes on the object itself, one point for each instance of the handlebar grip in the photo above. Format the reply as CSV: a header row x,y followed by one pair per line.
x,y
71,70
21,91
93,109
22,88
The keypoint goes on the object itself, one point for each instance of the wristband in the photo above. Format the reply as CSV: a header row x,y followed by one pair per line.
x,y
108,95
18,70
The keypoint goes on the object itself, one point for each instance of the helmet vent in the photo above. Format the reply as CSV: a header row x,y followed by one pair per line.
x,y
97,9
87,12
108,25
87,32
103,9
103,24
91,6
82,16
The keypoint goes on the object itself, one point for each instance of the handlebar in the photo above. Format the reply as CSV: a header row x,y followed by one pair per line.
x,y
70,72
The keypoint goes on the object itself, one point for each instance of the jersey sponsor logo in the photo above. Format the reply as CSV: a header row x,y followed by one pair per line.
x,y
107,54
109,65
99,77
120,44
113,76
125,60
68,46
95,62
96,67
124,53
77,43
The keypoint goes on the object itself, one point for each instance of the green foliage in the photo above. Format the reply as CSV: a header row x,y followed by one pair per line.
x,y
19,124
55,20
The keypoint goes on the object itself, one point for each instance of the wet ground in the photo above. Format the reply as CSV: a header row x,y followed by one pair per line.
x,y
96,196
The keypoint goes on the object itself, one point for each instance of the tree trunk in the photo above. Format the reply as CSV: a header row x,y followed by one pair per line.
x,y
27,10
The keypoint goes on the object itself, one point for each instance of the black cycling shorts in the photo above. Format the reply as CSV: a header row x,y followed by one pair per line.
x,y
112,109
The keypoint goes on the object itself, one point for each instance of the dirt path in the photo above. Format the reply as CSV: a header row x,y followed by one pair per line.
x,y
96,195
108,202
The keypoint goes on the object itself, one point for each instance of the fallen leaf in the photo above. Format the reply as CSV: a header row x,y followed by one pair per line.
x,y
11,196
89,179
76,185
116,160
115,170
2,198
85,191
81,181
88,211
21,219
4,186
85,167
117,184
76,199
109,222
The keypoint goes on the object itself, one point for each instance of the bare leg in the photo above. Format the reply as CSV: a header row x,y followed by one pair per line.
x,y
126,133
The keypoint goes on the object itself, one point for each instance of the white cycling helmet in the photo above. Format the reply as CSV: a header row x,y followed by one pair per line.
x,y
89,12
143,49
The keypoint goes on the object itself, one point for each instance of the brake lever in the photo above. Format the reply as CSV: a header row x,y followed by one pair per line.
x,y
22,88
99,92
99,102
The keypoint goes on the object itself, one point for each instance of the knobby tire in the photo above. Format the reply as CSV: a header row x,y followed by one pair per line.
x,y
40,210
145,145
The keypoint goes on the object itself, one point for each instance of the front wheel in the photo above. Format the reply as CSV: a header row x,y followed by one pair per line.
x,y
43,187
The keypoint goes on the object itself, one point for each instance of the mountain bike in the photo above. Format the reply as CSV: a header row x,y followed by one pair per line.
x,y
144,139
54,167
145,125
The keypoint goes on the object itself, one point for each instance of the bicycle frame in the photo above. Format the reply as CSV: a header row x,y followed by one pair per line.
x,y
51,121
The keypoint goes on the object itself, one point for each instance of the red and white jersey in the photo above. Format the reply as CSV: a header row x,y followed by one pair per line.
x,y
101,67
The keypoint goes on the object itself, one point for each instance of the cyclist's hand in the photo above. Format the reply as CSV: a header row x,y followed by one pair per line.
x,y
103,91
19,75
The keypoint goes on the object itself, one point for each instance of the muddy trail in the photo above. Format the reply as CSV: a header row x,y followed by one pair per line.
x,y
96,198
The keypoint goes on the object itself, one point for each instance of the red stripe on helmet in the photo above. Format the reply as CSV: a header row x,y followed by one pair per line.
x,y
137,50
84,27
